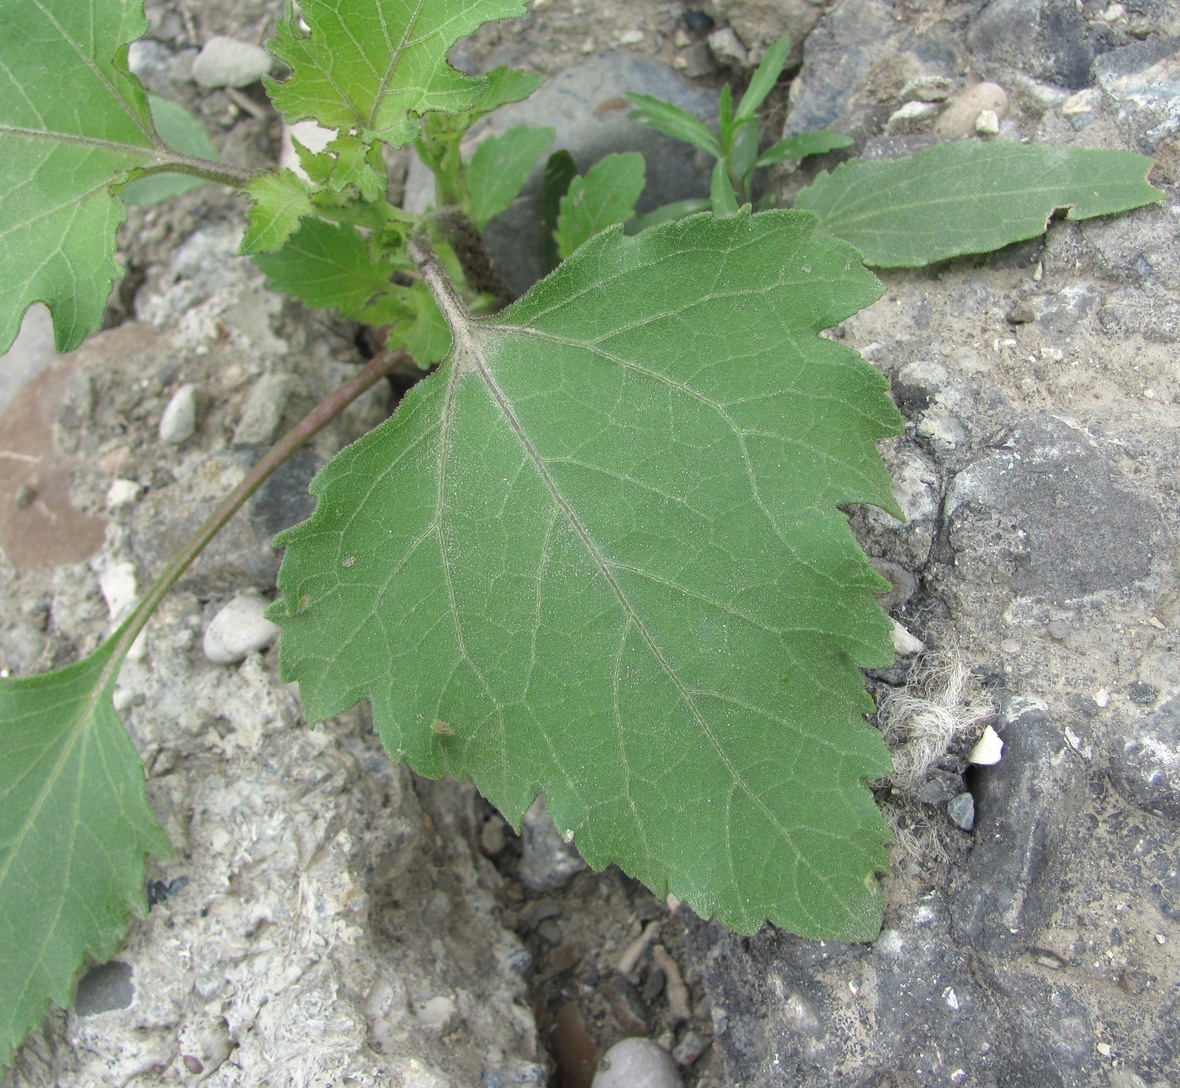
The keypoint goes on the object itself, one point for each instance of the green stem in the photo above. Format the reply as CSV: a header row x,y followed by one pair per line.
x,y
221,173
322,414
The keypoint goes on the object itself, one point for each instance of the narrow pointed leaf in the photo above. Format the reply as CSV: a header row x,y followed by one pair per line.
x,y
603,546
673,121
371,67
801,145
970,197
500,166
764,79
58,161
605,196
75,827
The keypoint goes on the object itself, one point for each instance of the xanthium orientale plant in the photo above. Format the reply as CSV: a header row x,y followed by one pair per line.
x,y
603,541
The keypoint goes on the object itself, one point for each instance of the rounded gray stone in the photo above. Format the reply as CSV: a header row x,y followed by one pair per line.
x,y
239,629
227,62
637,1063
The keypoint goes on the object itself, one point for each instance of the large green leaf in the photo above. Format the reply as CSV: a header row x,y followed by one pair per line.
x,y
74,830
600,554
970,197
371,67
72,122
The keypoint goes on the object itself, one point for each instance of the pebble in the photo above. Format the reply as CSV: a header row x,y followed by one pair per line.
x,y
262,414
122,493
987,750
637,1063
547,861
227,62
960,117
119,589
905,643
728,49
179,421
961,809
239,629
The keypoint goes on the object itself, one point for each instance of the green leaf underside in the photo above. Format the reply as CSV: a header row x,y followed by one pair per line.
x,y
605,196
970,197
279,202
179,129
371,66
603,545
500,166
72,122
74,830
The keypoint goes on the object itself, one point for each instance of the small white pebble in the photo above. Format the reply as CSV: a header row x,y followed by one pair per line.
x,y
1104,1049
631,37
179,420
239,629
987,123
119,589
905,643
1102,697
987,750
122,493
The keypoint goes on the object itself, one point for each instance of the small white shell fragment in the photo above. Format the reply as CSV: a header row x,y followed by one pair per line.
x,y
987,749
122,493
1102,697
179,420
119,589
239,629
905,643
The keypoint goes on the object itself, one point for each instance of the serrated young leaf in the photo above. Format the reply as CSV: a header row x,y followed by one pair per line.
x,y
500,166
356,168
606,195
57,161
75,829
604,544
425,335
558,175
279,202
970,197
330,265
371,67
505,86
179,129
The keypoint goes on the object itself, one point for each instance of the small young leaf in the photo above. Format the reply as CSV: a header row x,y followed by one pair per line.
x,y
75,827
970,197
370,67
605,196
57,161
801,145
356,168
330,265
178,129
673,121
604,544
426,335
500,166
764,79
504,86
556,180
279,202
721,195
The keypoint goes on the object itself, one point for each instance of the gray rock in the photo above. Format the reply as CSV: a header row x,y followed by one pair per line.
x,y
1144,760
1028,827
547,861
760,22
727,48
262,414
857,64
105,988
179,421
1143,82
1046,39
1049,515
961,809
227,62
239,628
637,1063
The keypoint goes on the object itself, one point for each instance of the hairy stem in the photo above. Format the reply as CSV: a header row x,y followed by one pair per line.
x,y
464,237
221,173
321,415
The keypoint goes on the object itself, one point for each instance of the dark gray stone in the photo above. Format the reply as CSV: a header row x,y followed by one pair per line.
x,y
1046,39
105,988
1049,515
1027,827
961,809
547,861
856,63
1144,760
1143,82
